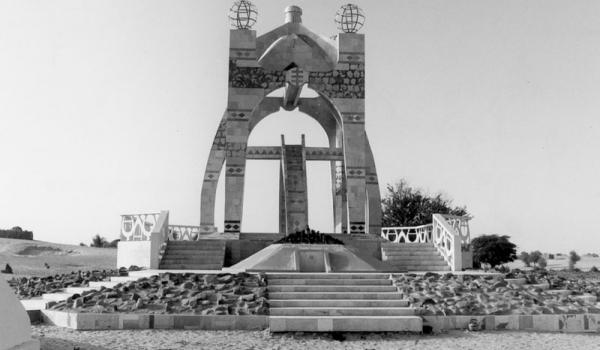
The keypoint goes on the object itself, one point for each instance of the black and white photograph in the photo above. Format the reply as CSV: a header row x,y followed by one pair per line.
x,y
258,174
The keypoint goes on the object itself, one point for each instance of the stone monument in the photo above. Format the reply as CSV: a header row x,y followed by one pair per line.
x,y
293,57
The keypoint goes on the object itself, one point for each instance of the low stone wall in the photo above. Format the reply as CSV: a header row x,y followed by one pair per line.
x,y
545,323
27,235
92,321
577,323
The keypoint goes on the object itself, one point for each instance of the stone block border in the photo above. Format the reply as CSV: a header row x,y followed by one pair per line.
x,y
548,323
94,321
579,323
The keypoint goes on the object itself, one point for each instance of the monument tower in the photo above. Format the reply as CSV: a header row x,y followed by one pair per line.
x,y
293,57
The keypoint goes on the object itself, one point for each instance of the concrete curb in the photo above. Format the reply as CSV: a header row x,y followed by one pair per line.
x,y
94,321
588,323
577,323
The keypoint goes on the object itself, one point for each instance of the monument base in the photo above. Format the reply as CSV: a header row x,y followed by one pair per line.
x,y
306,258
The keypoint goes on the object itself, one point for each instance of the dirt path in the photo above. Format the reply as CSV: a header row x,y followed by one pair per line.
x,y
55,338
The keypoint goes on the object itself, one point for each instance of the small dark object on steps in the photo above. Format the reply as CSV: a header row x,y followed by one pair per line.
x,y
339,336
7,269
46,265
427,329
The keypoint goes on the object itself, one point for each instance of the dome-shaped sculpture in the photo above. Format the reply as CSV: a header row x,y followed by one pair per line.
x,y
349,18
243,14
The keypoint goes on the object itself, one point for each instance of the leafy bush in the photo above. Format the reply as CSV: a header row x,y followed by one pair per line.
x,y
525,258
542,263
594,269
573,259
308,236
112,244
536,256
98,242
406,206
493,250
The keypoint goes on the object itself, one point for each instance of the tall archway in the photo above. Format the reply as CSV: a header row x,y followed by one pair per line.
x,y
261,198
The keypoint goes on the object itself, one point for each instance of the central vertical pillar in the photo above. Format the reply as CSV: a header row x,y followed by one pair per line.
x,y
294,195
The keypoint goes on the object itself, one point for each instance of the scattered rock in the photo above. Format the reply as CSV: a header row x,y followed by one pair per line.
x,y
228,294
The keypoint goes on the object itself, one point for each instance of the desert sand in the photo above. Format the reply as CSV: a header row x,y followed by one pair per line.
x,y
55,338
27,258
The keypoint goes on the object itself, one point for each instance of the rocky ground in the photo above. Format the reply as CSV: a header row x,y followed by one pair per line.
x,y
55,338
450,294
30,287
222,294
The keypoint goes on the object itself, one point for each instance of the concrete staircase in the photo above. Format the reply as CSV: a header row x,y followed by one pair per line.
x,y
194,255
338,302
413,256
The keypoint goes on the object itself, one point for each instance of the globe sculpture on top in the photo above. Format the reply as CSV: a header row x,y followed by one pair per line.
x,y
243,14
349,18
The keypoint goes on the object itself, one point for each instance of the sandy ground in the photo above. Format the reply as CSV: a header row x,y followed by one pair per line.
x,y
28,257
584,264
55,338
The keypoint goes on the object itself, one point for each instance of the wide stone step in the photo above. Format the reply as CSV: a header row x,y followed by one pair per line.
x,y
345,324
409,253
329,282
337,303
334,295
343,288
416,245
413,262
417,263
427,268
56,296
323,275
199,242
77,290
342,311
394,250
192,259
213,250
100,284
190,266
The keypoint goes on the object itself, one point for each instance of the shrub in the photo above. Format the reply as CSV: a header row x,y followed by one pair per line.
x,y
493,250
542,263
535,256
594,269
573,259
308,236
404,205
551,256
503,269
98,242
525,258
112,244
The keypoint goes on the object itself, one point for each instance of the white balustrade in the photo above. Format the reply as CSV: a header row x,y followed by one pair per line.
x,y
450,234
410,234
138,227
184,233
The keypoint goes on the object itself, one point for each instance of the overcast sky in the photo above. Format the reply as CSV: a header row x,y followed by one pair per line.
x,y
109,107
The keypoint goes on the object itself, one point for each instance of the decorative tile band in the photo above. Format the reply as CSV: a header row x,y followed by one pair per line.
x,y
232,226
357,227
